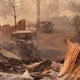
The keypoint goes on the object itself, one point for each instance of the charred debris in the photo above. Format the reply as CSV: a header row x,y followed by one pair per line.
x,y
41,69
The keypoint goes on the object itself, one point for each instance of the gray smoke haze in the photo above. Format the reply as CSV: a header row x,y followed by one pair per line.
x,y
74,7
49,8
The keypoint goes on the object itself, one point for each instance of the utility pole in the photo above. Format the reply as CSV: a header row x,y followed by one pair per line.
x,y
38,14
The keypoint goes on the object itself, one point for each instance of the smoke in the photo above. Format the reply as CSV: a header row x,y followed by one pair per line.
x,y
49,8
74,7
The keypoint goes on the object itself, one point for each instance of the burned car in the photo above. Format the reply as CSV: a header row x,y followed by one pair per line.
x,y
25,43
46,26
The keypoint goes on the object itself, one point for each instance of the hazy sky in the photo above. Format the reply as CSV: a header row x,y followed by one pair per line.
x,y
29,11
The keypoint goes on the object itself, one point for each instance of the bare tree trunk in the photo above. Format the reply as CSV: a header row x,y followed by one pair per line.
x,y
38,14
15,21
76,24
77,33
15,17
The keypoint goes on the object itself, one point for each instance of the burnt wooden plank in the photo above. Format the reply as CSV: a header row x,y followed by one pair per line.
x,y
71,57
75,74
8,54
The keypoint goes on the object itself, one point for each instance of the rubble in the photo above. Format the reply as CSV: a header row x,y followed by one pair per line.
x,y
41,69
27,68
27,75
55,66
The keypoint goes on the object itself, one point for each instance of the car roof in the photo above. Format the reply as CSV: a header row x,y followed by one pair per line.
x,y
30,31
45,21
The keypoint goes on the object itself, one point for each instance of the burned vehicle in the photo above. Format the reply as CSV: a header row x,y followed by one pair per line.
x,y
25,43
46,26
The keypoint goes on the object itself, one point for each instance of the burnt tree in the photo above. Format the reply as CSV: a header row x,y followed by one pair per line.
x,y
11,8
76,24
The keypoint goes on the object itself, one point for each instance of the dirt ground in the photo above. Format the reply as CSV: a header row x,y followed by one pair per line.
x,y
54,45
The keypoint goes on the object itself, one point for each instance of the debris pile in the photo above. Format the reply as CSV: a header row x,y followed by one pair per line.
x,y
31,69
41,69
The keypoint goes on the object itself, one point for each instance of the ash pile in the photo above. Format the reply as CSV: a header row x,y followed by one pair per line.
x,y
13,67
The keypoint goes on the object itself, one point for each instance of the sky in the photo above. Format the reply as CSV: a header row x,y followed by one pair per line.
x,y
29,11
